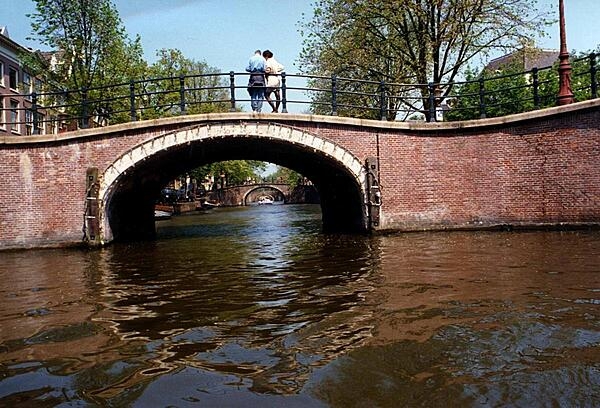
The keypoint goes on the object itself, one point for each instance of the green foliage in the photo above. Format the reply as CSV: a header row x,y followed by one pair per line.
x,y
505,92
93,51
408,42
580,77
35,64
288,176
510,90
204,92
235,172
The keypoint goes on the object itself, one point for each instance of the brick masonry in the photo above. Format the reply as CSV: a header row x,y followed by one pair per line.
x,y
528,170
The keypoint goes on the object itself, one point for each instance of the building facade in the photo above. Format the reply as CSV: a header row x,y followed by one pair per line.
x,y
524,60
21,111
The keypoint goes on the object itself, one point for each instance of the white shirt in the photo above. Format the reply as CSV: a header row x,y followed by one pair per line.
x,y
272,68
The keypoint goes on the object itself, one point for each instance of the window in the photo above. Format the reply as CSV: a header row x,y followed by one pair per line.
x,y
13,79
29,122
1,73
26,82
27,85
37,88
14,115
41,124
2,114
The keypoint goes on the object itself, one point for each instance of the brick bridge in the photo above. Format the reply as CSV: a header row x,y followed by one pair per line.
x,y
539,169
250,193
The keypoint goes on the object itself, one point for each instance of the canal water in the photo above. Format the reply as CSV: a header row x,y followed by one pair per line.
x,y
255,307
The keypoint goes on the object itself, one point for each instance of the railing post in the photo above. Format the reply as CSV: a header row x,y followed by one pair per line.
x,y
34,113
132,114
382,101
536,87
482,108
432,115
333,95
232,91
283,93
85,123
593,71
182,95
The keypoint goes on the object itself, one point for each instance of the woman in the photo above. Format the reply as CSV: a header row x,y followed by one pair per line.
x,y
272,69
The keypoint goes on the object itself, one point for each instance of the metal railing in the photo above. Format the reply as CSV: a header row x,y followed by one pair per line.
x,y
140,99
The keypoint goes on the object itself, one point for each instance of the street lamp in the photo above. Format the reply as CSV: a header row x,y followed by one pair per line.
x,y
565,95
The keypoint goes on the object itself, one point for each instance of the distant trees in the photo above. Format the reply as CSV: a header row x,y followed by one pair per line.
x,y
509,89
407,42
287,176
234,172
204,91
504,91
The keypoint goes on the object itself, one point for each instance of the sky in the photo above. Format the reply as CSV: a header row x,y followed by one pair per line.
x,y
224,33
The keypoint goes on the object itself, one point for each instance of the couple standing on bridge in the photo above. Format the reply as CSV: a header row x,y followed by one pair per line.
x,y
264,80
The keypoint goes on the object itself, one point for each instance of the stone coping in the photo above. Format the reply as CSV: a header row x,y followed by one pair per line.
x,y
283,118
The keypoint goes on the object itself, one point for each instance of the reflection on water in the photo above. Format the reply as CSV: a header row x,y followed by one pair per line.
x,y
255,307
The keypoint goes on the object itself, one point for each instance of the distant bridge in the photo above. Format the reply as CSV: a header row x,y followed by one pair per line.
x,y
247,194
538,169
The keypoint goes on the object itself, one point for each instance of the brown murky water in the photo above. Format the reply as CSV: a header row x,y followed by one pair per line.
x,y
255,307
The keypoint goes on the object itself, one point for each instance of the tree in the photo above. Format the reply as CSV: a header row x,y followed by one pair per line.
x,y
581,79
203,90
506,91
411,42
235,172
510,90
93,50
287,176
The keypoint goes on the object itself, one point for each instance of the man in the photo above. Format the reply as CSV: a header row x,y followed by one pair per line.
x,y
256,83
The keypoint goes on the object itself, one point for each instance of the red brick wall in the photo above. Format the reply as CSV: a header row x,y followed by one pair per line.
x,y
536,171
543,173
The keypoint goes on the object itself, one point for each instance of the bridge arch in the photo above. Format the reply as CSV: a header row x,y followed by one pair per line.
x,y
258,187
129,186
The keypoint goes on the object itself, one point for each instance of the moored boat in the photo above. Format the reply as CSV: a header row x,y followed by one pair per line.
x,y
208,204
265,201
162,215
163,211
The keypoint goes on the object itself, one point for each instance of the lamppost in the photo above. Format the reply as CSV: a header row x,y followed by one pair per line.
x,y
565,95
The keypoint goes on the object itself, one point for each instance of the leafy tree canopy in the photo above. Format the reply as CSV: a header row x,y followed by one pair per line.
x,y
285,175
92,50
413,41
161,93
235,172
509,89
91,40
